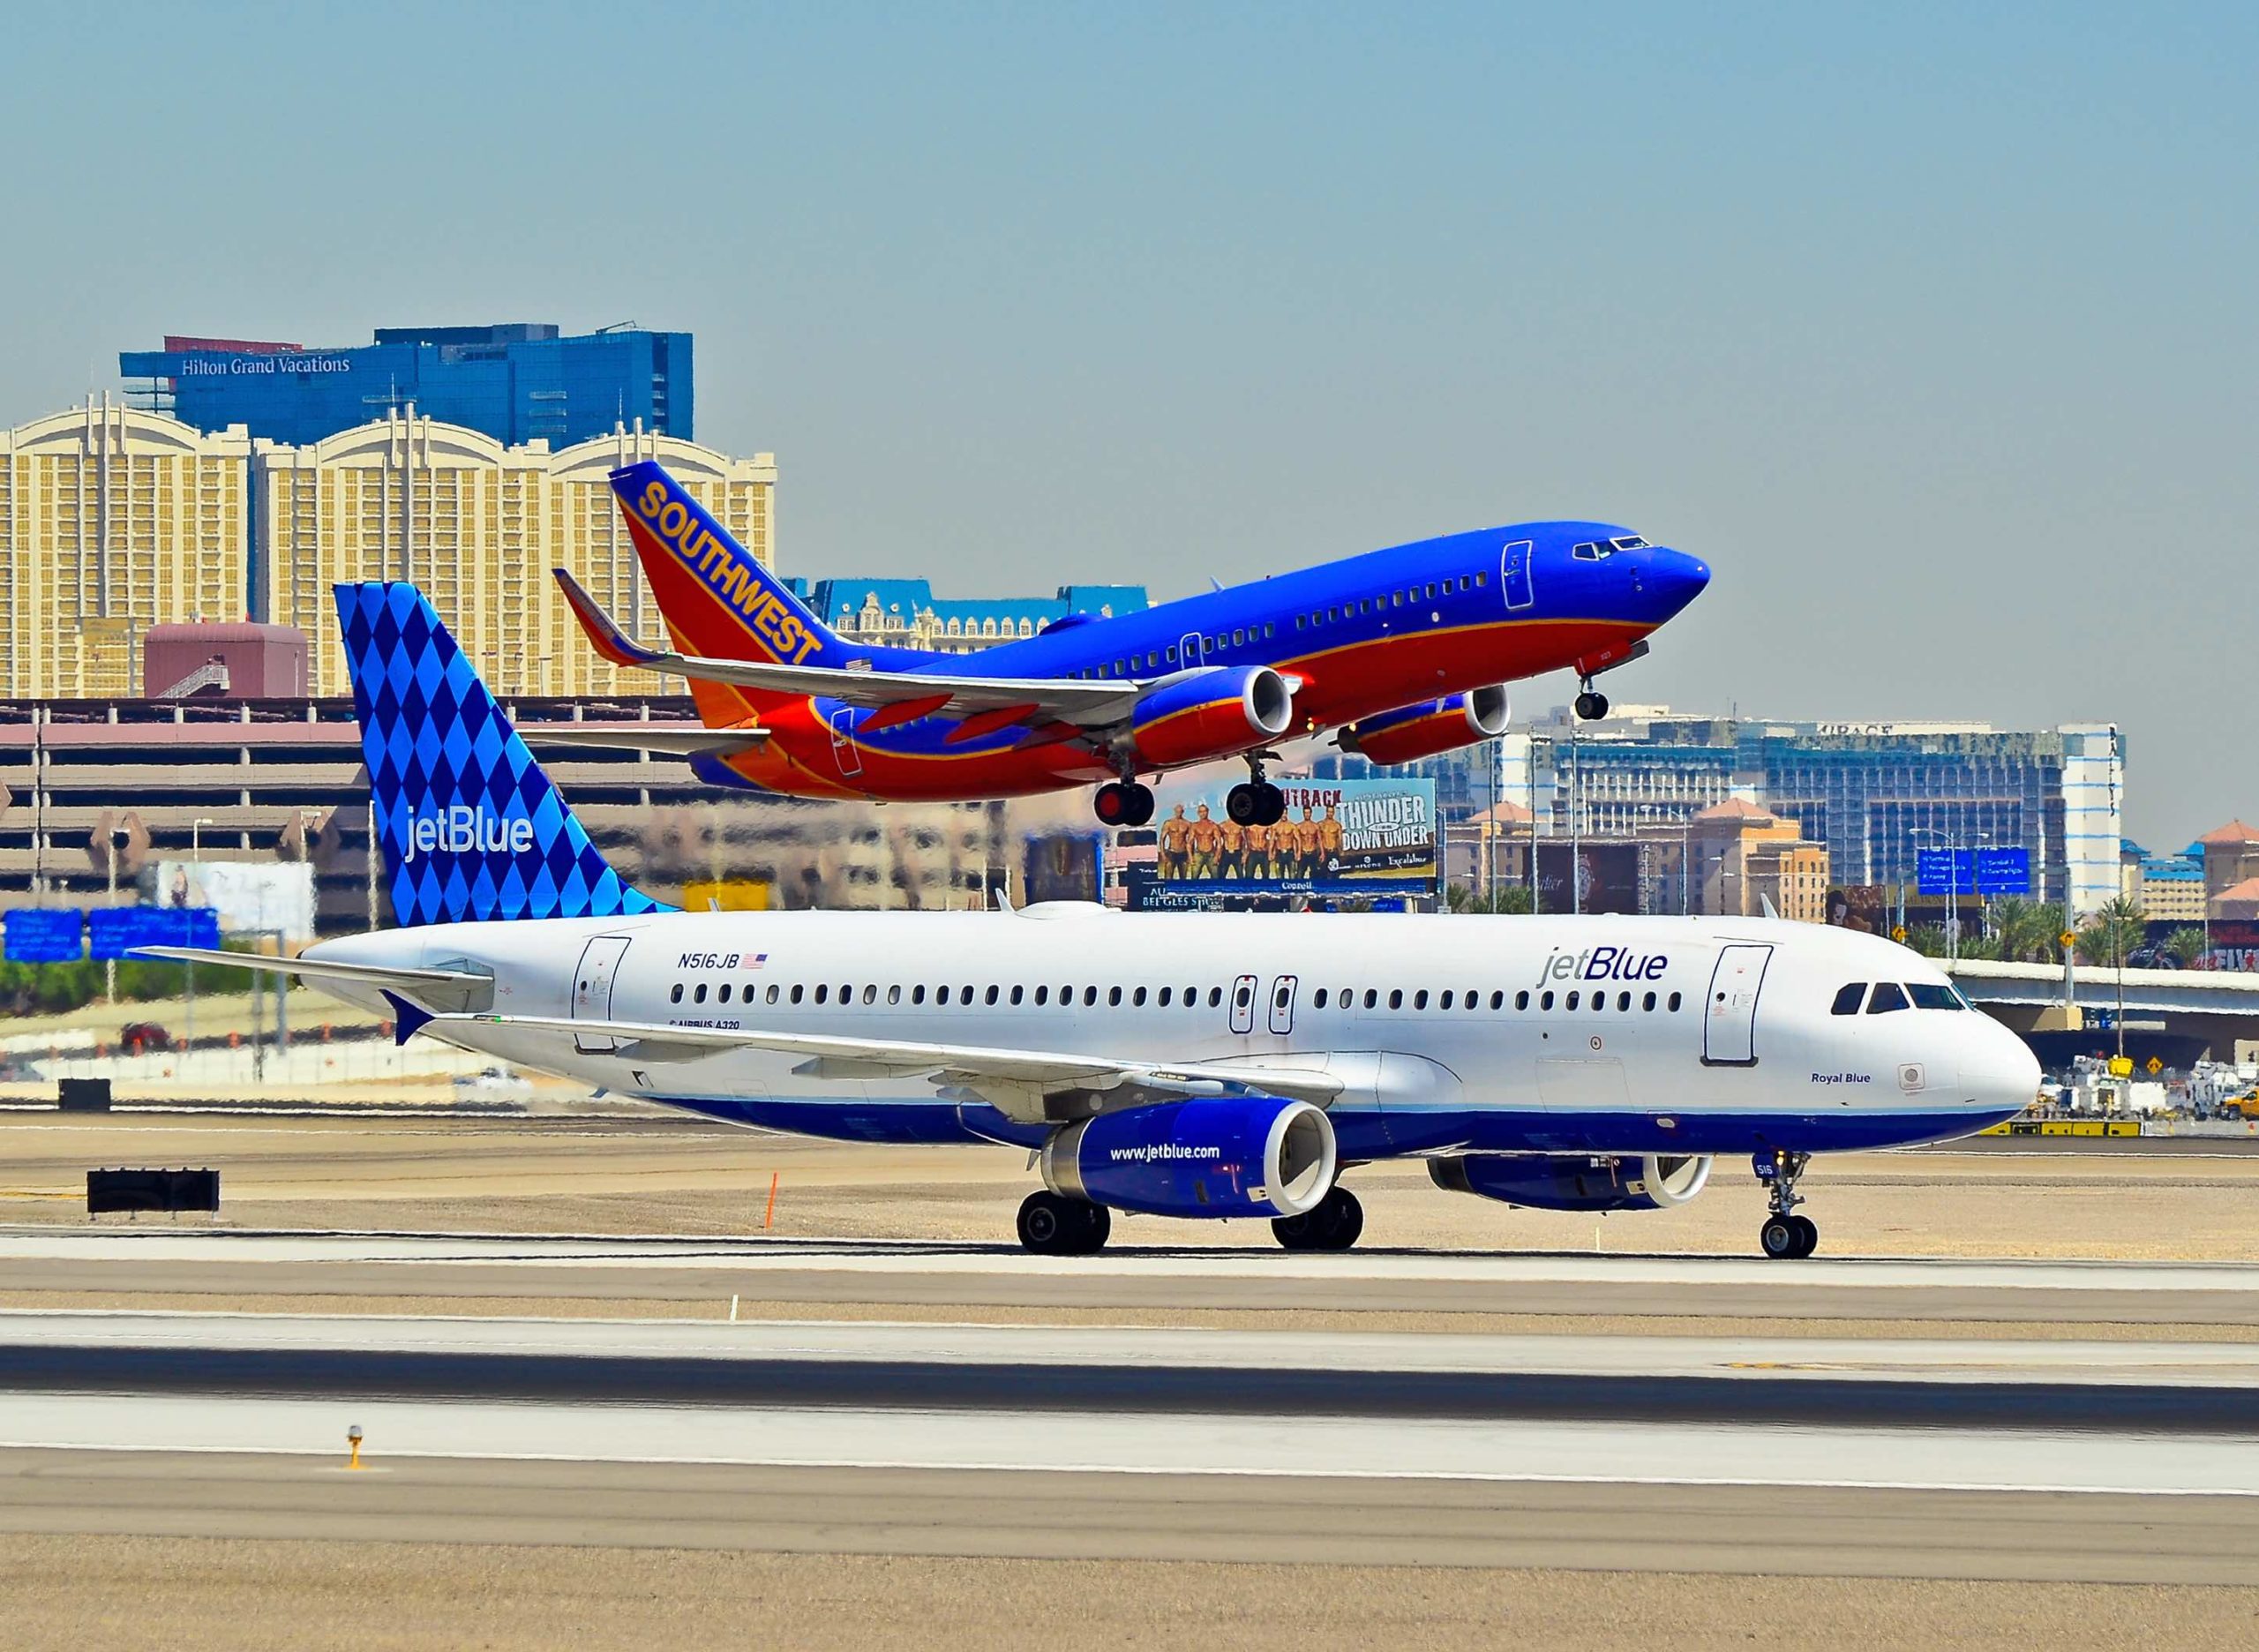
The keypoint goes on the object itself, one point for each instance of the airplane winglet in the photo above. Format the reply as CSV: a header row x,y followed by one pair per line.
x,y
603,632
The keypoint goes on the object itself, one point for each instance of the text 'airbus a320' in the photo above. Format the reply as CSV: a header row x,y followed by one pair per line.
x,y
1404,652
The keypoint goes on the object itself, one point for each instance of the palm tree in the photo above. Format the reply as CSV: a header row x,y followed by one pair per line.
x,y
2027,930
2187,944
2115,930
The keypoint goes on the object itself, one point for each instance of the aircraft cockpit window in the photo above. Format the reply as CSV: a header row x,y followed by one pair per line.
x,y
1888,995
1931,996
1585,553
1631,542
1847,999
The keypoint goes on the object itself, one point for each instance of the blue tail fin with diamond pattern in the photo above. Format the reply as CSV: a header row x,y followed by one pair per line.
x,y
470,826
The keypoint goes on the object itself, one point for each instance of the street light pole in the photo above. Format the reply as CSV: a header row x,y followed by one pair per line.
x,y
196,877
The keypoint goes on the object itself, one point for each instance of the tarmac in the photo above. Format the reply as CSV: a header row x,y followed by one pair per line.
x,y
808,1435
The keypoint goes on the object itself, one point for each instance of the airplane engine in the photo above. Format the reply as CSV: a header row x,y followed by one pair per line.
x,y
1575,1182
1213,714
1208,1156
1411,732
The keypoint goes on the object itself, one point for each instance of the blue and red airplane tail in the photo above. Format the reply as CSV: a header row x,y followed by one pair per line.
x,y
718,600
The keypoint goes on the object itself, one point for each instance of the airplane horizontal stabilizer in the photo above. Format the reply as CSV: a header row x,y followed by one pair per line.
x,y
451,991
661,741
1085,702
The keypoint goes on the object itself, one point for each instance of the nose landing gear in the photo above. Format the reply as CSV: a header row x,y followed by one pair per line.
x,y
1786,1235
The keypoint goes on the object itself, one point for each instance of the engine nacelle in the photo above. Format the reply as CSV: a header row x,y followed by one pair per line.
x,y
1206,1156
1575,1182
1210,714
1433,726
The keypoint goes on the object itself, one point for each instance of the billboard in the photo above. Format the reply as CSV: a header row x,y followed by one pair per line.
x,y
1340,840
276,897
44,934
1607,876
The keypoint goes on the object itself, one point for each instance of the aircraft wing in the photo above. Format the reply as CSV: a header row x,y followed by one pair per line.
x,y
1015,1080
1087,703
456,991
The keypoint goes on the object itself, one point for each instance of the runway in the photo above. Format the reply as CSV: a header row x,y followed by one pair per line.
x,y
1128,1278
1942,1453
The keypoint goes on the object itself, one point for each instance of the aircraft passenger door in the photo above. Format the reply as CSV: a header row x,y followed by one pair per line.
x,y
843,742
1282,1004
1243,1005
1188,650
1729,1012
1514,574
592,990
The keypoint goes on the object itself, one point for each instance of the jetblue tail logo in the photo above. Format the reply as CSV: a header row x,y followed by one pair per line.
x,y
659,505
469,826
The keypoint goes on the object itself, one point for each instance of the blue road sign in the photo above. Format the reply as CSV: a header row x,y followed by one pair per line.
x,y
44,934
114,931
2003,871
1973,871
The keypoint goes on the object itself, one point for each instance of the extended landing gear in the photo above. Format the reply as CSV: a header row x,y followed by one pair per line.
x,y
1333,1225
1256,802
1051,1225
1123,803
1785,1236
1592,705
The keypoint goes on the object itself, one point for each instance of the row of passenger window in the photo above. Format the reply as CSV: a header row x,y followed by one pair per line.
x,y
1390,599
1886,996
1137,997
1240,636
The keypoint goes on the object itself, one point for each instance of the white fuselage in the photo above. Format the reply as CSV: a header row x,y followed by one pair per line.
x,y
1540,1034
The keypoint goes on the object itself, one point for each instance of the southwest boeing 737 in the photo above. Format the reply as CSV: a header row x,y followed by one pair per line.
x,y
1203,1066
1404,652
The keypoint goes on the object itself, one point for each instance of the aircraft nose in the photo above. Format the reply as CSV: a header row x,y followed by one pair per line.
x,y
2002,1076
1675,579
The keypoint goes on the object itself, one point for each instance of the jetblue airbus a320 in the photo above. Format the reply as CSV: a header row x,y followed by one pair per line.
x,y
1405,652
1198,1065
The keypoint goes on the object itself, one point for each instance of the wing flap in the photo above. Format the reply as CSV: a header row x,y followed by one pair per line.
x,y
1037,1073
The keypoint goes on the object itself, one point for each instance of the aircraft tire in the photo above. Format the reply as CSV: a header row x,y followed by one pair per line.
x,y
1111,804
1096,1227
1050,1225
1592,705
1244,804
1779,1238
1274,806
1138,805
1333,1225
1807,1235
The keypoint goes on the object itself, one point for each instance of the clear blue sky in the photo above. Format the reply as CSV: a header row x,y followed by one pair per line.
x,y
1930,327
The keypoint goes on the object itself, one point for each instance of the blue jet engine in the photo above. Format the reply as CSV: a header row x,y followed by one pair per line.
x,y
1575,1182
1252,1155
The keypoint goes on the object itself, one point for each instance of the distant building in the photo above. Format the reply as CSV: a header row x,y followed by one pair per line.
x,y
2230,856
478,526
112,521
1874,794
237,660
517,383
2170,889
905,613
1745,858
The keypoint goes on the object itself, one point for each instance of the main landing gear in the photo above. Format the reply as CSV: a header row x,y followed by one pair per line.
x,y
1785,1236
1123,803
1256,801
1052,1225
1332,1225
1592,705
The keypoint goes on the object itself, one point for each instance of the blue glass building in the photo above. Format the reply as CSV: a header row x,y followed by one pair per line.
x,y
905,613
517,383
